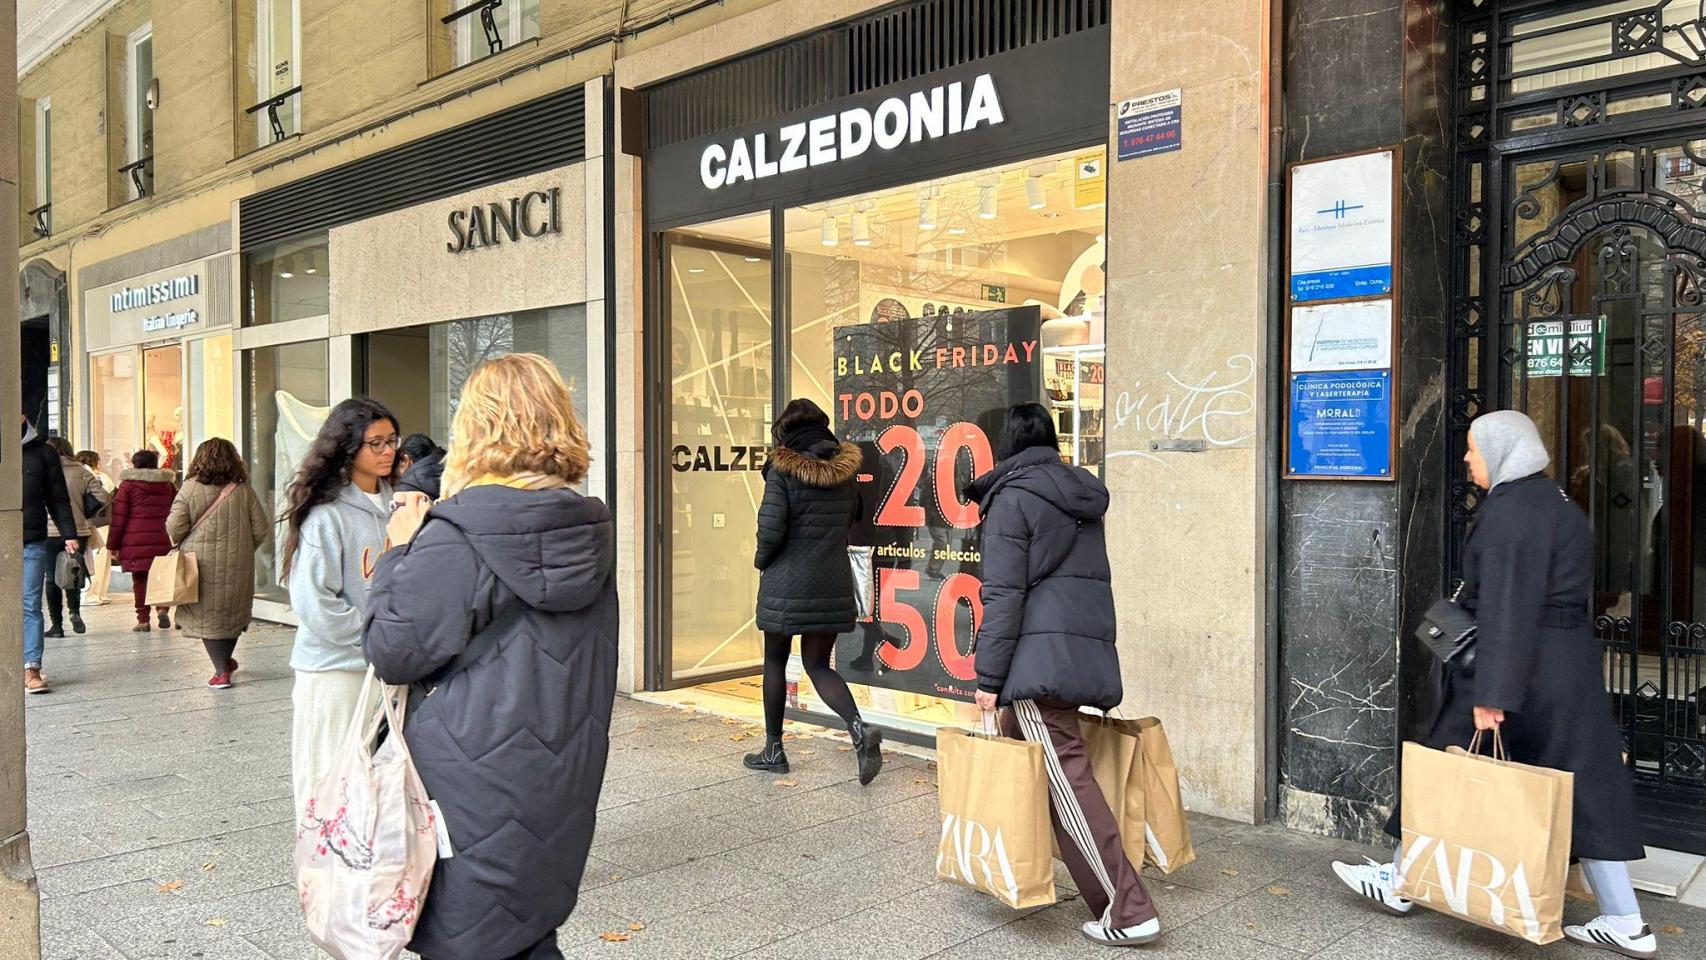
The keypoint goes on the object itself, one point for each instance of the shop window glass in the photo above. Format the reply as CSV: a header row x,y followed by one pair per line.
x,y
211,393
943,277
718,281
114,429
288,395
290,281
163,404
269,37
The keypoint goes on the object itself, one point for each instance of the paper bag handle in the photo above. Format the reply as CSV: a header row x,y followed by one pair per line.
x,y
1498,744
989,726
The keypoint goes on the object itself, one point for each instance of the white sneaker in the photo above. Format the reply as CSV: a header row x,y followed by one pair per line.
x,y
1600,933
1097,932
1374,881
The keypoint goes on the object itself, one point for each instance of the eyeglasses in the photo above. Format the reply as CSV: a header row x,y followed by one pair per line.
x,y
382,444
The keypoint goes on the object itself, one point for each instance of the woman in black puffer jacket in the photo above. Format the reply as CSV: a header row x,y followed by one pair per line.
x,y
806,586
1046,648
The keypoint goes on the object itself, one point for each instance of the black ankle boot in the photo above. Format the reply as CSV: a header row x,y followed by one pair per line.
x,y
772,759
77,625
868,748
55,632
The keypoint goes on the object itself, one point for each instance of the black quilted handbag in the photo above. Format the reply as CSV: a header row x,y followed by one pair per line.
x,y
1448,631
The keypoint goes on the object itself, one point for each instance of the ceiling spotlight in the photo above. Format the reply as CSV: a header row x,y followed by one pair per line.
x,y
286,275
695,269
311,271
831,230
1034,194
753,259
861,229
986,199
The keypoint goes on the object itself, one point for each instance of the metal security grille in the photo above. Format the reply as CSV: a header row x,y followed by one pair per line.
x,y
537,135
892,45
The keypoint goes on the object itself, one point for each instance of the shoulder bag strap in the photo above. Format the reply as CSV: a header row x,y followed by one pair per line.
x,y
481,642
223,494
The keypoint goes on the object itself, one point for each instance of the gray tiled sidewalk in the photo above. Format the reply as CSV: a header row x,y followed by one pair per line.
x,y
160,813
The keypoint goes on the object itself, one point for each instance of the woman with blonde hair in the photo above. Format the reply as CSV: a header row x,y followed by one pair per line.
x,y
499,605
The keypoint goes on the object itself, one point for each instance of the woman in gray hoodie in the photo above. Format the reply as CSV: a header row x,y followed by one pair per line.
x,y
336,511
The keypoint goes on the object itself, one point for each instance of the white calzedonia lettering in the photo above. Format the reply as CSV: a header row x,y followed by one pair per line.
x,y
941,111
1428,869
972,854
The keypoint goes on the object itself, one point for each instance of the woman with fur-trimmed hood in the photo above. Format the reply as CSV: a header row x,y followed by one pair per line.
x,y
806,587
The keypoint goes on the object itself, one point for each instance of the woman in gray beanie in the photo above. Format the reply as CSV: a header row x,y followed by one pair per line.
x,y
1538,676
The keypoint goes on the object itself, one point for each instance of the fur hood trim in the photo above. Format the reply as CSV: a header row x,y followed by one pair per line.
x,y
149,476
833,472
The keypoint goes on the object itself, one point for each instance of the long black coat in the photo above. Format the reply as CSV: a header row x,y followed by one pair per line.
x,y
425,475
1048,598
45,494
1528,579
513,747
810,502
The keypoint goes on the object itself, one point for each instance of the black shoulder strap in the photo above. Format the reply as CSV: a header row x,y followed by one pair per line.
x,y
481,642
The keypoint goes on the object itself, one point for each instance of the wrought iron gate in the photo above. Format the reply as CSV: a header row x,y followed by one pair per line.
x,y
1579,297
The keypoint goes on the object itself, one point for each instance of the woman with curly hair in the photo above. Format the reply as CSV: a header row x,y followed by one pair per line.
x,y
336,510
218,517
504,604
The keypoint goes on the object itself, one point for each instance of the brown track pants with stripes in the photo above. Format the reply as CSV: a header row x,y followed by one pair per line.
x,y
1084,827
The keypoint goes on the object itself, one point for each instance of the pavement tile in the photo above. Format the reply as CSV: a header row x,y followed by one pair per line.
x,y
1233,868
76,945
952,908
863,936
832,893
672,846
668,893
1297,918
808,850
647,816
722,930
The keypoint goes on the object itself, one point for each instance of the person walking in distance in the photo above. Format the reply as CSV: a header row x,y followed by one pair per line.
x,y
1538,676
422,467
502,611
218,517
95,550
805,586
137,536
1046,648
336,510
44,498
84,493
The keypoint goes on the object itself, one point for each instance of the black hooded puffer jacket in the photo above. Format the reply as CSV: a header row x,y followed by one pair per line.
x,y
810,502
512,747
1048,598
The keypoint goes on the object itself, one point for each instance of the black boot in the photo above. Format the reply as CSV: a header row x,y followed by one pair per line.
x,y
772,759
868,748
55,632
77,625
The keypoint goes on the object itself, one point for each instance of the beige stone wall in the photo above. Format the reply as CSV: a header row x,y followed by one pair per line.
x,y
355,55
74,80
394,271
192,59
1186,289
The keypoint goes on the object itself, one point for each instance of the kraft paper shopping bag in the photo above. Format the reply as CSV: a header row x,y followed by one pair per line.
x,y
1116,756
995,819
173,579
1486,840
1166,830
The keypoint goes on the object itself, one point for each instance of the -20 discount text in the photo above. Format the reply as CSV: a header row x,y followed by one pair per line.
x,y
926,398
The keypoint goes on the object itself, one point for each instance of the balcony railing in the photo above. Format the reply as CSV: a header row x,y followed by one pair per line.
x,y
42,220
272,106
141,174
486,10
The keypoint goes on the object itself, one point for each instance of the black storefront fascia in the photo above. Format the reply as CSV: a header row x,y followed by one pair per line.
x,y
1053,96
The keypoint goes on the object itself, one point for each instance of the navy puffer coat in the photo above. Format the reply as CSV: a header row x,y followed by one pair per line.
x,y
810,502
512,747
1048,598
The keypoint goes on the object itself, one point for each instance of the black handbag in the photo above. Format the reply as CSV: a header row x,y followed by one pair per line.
x,y
1448,631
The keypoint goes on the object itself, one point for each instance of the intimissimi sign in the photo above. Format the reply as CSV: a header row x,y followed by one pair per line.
x,y
944,110
1044,98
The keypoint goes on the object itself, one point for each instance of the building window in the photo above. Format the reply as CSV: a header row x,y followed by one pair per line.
x,y
138,170
484,27
41,215
288,394
288,281
277,111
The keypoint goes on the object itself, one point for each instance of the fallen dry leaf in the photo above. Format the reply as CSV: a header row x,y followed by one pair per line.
x,y
1279,891
845,749
695,739
921,781
1671,930
169,886
209,865
636,926
788,736
689,703
616,876
930,766
738,737
787,783
1230,872
730,722
615,936
218,922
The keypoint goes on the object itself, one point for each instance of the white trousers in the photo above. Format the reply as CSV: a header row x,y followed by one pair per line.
x,y
324,701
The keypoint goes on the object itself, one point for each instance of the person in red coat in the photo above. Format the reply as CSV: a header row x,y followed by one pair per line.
x,y
138,532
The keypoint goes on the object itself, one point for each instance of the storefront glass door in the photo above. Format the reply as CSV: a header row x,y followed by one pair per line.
x,y
211,382
113,423
163,404
717,287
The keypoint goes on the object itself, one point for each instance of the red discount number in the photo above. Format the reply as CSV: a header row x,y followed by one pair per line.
x,y
897,510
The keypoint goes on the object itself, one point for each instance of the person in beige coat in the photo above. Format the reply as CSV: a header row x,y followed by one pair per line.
x,y
223,530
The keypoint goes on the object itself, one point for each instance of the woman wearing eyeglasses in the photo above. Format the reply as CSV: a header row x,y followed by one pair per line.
x,y
336,511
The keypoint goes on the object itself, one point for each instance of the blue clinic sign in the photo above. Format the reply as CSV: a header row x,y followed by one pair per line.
x,y
1150,125
1341,424
1341,228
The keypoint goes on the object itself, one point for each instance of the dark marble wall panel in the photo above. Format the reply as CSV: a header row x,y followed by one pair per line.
x,y
1360,560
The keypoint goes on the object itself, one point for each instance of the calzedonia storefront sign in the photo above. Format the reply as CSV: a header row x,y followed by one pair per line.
x,y
1011,106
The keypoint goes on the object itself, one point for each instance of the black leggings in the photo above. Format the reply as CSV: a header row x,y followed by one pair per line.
x,y
218,652
814,650
57,599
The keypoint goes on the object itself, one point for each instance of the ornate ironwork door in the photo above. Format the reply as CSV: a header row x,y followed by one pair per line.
x,y
1580,291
